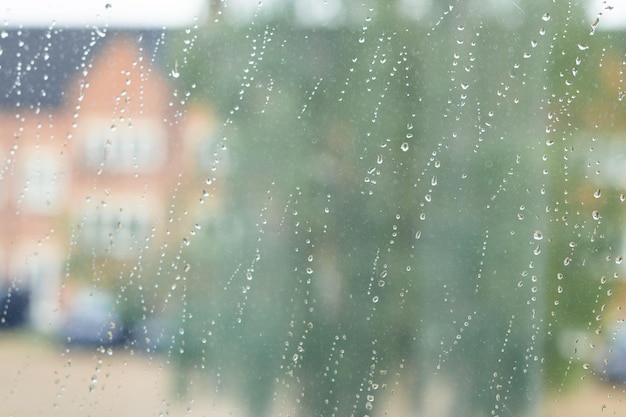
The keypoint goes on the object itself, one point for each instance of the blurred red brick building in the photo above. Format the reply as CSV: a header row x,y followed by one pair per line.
x,y
92,142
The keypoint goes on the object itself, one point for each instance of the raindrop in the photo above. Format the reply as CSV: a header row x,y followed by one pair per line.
x,y
545,17
583,47
595,214
404,146
597,194
537,235
174,73
375,299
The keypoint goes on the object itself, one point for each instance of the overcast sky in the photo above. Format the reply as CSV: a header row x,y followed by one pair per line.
x,y
112,13
178,13
613,13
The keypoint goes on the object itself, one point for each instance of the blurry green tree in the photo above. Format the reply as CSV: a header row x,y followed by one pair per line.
x,y
395,208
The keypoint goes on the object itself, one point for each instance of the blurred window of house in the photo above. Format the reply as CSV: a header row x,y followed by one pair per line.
x,y
44,183
118,231
133,147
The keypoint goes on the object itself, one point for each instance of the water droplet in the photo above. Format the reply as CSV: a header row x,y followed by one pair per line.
x,y
597,194
404,146
537,235
249,275
595,214
174,73
375,299
108,6
583,47
545,17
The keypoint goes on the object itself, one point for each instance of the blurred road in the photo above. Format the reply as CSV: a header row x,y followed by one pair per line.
x,y
589,399
43,379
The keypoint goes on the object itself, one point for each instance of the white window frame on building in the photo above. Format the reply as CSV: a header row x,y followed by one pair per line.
x,y
137,146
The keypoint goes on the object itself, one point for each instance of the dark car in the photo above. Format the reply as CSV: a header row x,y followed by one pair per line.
x,y
14,306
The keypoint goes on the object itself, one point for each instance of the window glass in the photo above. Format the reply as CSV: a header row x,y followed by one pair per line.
x,y
312,208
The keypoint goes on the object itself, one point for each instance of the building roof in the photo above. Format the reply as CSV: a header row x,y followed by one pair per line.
x,y
36,64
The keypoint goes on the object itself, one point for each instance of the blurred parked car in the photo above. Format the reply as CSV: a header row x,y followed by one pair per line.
x,y
93,321
14,306
611,364
151,335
